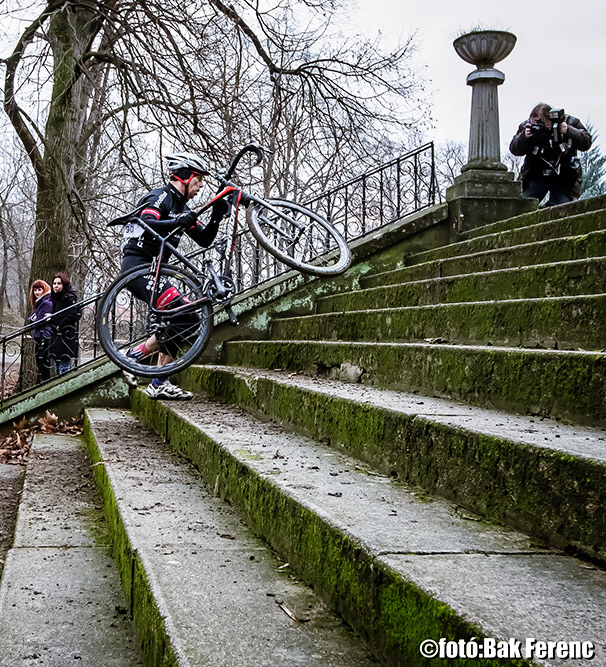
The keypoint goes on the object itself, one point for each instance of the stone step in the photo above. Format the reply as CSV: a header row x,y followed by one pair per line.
x,y
555,383
203,589
11,483
576,277
60,599
557,322
401,567
541,215
540,476
529,254
575,225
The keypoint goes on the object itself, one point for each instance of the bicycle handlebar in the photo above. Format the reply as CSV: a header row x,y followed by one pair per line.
x,y
259,151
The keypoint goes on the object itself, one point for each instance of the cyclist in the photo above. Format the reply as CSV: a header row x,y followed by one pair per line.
x,y
165,209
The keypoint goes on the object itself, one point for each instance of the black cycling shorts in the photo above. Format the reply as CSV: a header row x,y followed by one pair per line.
x,y
180,327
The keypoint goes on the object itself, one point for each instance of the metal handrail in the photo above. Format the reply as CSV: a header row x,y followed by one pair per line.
x,y
371,200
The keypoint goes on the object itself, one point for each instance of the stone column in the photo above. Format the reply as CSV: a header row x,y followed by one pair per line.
x,y
485,191
484,140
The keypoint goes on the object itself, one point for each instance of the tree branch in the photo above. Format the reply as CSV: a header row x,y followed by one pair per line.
x,y
11,107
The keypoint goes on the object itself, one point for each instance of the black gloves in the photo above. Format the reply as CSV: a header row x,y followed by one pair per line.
x,y
187,219
190,218
220,208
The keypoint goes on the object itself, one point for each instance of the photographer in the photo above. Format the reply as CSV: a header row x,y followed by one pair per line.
x,y
550,140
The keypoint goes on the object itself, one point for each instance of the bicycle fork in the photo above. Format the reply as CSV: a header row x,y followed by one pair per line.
x,y
222,288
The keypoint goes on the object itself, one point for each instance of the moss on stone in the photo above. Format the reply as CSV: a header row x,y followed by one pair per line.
x,y
553,250
390,613
570,385
536,231
548,213
565,323
148,619
587,276
548,494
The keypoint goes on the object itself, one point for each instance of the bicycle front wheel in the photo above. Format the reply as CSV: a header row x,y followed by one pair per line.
x,y
299,237
177,338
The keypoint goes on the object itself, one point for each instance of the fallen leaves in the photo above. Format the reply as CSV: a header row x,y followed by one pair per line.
x,y
14,447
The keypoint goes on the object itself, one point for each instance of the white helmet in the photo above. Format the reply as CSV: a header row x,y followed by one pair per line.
x,y
176,161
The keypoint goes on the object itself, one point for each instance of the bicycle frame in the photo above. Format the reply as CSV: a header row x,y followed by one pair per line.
x,y
207,272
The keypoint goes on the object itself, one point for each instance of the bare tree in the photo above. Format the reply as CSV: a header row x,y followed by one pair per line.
x,y
16,230
513,163
450,158
90,87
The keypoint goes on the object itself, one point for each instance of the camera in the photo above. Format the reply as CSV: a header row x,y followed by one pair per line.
x,y
556,116
548,141
544,134
539,130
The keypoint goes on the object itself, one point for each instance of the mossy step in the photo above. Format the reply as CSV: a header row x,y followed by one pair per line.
x,y
543,477
541,215
576,225
399,566
556,322
203,589
11,484
546,382
529,254
60,599
585,276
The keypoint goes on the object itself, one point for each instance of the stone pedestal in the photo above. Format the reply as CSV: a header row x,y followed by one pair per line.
x,y
485,191
481,196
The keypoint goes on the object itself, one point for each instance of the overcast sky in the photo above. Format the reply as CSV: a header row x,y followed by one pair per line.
x,y
559,57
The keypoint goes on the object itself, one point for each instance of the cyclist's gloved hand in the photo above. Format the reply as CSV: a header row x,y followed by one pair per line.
x,y
186,219
220,208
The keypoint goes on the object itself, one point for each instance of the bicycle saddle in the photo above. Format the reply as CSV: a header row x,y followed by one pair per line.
x,y
127,217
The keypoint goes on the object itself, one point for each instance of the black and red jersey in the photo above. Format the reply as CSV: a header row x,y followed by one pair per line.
x,y
161,208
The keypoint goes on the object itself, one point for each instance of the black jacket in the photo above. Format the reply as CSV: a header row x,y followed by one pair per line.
x,y
540,154
65,325
161,207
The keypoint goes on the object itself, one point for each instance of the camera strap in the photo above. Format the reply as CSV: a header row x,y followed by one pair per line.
x,y
554,167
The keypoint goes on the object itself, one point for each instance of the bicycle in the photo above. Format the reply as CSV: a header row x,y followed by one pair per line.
x,y
293,234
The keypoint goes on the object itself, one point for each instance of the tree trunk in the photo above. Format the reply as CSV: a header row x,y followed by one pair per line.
x,y
58,210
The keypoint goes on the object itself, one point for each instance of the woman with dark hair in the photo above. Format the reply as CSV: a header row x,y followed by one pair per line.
x,y
40,300
65,318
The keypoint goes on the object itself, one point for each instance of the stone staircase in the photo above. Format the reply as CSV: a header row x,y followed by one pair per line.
x,y
425,451
60,598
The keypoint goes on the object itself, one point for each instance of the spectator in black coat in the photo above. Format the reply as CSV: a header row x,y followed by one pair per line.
x,y
65,318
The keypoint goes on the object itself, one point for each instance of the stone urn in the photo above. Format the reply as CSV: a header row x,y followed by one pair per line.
x,y
484,48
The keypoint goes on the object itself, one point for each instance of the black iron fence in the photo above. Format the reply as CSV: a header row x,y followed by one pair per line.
x,y
379,196
29,356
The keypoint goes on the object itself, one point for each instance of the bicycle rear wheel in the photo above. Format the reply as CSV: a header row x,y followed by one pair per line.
x,y
299,237
124,322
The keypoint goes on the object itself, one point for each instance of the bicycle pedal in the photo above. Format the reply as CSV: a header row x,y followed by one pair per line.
x,y
232,316
129,378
